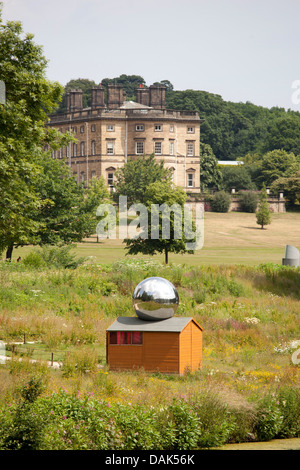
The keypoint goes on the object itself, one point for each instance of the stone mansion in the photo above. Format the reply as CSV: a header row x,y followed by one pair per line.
x,y
114,130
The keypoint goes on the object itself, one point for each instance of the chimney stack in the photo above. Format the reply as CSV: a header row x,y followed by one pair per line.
x,y
142,95
74,100
98,97
115,96
157,96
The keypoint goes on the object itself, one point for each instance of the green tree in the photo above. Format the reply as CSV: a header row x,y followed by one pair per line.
x,y
162,228
263,214
134,178
290,185
283,132
236,177
68,210
83,84
275,164
211,175
29,98
252,164
166,83
129,82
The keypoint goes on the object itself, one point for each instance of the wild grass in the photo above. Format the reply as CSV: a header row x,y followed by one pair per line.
x,y
250,317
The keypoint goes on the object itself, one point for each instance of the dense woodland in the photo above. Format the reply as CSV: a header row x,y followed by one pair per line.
x,y
232,130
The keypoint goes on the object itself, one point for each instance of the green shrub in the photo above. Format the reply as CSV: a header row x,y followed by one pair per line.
x,y
107,288
25,430
187,425
235,289
32,390
216,421
34,259
65,421
289,403
53,257
221,202
269,419
244,420
249,201
199,295
80,362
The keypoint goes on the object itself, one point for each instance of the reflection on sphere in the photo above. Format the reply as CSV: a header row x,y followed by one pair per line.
x,y
155,298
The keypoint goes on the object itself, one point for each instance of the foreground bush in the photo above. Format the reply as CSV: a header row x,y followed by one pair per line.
x,y
65,422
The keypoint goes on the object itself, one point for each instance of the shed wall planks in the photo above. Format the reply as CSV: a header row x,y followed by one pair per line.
x,y
164,351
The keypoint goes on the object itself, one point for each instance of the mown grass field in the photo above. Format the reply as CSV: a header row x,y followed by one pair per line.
x,y
231,238
248,388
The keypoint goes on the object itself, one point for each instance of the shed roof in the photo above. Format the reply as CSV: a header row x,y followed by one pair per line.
x,y
173,324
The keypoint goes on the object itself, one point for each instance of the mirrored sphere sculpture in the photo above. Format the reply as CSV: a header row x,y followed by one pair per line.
x,y
155,298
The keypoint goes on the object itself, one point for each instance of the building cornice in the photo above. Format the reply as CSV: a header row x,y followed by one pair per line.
x,y
129,115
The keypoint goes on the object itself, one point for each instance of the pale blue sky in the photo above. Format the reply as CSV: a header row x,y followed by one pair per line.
x,y
244,50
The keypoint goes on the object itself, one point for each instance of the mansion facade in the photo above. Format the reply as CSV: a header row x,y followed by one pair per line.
x,y
112,131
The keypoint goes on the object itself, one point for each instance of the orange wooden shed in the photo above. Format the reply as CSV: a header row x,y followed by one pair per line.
x,y
173,345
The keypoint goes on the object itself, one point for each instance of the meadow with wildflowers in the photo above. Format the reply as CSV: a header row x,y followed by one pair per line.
x,y
247,390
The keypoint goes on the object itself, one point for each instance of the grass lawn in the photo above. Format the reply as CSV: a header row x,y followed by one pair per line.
x,y
231,238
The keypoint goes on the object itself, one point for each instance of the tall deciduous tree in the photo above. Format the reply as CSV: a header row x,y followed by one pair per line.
x,y
29,98
236,177
211,175
163,227
276,164
40,202
134,178
290,185
68,210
